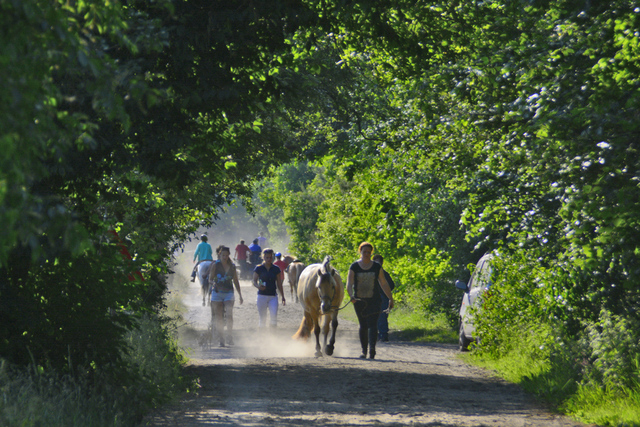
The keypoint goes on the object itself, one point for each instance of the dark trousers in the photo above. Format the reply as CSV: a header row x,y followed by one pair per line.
x,y
368,311
383,319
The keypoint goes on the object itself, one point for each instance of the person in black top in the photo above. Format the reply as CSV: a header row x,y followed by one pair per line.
x,y
383,319
267,278
364,283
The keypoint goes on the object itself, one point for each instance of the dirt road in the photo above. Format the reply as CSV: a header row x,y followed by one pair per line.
x,y
268,379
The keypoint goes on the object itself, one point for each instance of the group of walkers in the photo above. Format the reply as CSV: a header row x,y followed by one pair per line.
x,y
219,278
369,287
249,257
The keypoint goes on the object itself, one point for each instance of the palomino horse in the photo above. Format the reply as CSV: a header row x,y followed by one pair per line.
x,y
320,292
293,275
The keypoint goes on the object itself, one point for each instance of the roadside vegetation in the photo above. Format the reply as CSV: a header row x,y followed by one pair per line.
x,y
150,374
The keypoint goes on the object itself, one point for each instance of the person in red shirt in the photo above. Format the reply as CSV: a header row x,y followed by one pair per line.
x,y
241,256
282,264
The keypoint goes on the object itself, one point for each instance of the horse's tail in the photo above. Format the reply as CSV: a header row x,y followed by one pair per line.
x,y
304,331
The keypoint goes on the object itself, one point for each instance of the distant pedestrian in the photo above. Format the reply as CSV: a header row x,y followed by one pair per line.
x,y
282,264
255,250
262,241
241,253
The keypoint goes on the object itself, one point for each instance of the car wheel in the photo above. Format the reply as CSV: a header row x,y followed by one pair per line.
x,y
463,341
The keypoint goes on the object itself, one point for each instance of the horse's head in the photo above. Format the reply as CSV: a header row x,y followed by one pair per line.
x,y
326,286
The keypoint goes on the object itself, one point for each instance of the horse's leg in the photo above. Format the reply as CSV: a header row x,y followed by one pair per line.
x,y
334,326
325,332
296,281
206,291
316,330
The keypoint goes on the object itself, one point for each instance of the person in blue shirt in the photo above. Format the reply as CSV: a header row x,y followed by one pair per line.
x,y
268,280
255,253
204,256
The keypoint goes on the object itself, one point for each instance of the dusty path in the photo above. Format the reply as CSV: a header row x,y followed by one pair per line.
x,y
267,379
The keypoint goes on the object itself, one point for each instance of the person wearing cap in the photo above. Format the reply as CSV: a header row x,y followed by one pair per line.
x,y
282,264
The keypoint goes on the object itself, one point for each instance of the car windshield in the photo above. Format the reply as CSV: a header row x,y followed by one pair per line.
x,y
482,275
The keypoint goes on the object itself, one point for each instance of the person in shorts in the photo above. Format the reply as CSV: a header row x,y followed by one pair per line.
x,y
223,277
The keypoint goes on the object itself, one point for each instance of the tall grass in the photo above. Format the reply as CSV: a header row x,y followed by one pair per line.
x,y
605,407
415,325
150,376
562,372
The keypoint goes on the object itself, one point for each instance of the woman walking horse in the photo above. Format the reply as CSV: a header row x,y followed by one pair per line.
x,y
320,291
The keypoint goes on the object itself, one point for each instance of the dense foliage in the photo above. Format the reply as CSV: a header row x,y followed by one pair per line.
x,y
508,126
124,127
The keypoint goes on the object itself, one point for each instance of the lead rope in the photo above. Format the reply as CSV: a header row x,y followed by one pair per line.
x,y
387,311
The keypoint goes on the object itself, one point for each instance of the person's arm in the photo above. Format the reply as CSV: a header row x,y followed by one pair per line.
x,y
350,279
257,283
385,287
236,283
390,281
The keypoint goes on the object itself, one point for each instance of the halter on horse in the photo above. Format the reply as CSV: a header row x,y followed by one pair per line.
x,y
320,291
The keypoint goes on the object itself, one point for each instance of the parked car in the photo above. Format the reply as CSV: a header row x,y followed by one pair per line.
x,y
480,281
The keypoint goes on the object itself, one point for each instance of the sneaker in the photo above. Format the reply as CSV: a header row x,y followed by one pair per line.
x,y
221,343
230,341
384,338
363,356
372,354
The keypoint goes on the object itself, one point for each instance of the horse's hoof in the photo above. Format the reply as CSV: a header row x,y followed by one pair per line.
x,y
329,350
318,354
